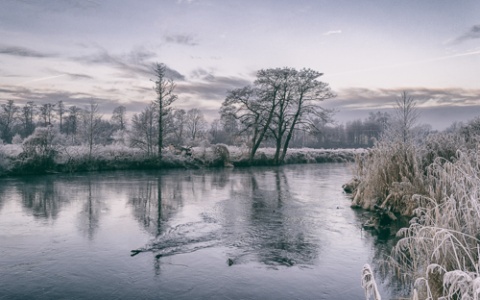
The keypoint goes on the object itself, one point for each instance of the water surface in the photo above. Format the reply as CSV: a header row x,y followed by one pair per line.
x,y
258,233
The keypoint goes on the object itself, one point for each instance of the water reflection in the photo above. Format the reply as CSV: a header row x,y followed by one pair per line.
x,y
274,231
155,201
91,212
42,198
258,219
202,230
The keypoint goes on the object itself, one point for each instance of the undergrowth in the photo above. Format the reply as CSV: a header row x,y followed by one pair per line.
x,y
439,252
436,184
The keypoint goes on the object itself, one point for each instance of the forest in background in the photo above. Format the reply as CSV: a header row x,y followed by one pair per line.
x,y
280,110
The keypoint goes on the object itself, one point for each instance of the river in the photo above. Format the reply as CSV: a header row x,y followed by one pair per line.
x,y
254,233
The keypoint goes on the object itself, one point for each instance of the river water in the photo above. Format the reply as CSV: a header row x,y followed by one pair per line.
x,y
256,233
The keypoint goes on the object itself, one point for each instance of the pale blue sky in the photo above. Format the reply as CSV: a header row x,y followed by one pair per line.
x,y
369,51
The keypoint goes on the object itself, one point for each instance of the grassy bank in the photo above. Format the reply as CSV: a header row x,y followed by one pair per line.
x,y
436,184
16,160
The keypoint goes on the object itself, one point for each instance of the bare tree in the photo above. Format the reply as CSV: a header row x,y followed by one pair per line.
x,y
91,125
72,122
253,108
8,118
26,118
144,130
178,124
299,100
164,88
60,112
195,123
281,101
406,117
119,117
46,113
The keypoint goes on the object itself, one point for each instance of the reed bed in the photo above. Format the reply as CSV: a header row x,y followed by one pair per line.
x,y
437,186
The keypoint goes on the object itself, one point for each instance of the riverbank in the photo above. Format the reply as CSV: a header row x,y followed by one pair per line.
x,y
15,161
436,186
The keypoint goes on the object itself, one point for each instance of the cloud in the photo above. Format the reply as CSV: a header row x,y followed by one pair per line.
x,y
57,6
332,32
212,90
137,62
473,33
181,39
186,1
22,95
437,107
405,64
363,98
202,74
76,76
23,52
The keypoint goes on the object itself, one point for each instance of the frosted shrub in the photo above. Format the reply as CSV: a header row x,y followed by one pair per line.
x,y
439,251
5,161
40,148
443,145
17,139
389,175
221,156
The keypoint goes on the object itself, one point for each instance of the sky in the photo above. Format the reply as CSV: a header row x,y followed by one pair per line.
x,y
369,51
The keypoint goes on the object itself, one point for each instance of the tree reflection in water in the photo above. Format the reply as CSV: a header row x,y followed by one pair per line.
x,y
257,219
42,197
155,201
273,232
89,216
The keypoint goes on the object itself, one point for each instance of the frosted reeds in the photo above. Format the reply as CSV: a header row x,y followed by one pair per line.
x,y
439,252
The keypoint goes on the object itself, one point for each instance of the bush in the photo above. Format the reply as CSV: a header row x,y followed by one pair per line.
x,y
389,175
439,252
40,148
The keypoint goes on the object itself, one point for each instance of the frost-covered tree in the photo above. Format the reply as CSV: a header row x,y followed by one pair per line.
x,y
119,117
40,147
405,119
196,124
144,130
72,122
178,126
61,113
27,114
281,101
164,87
8,119
46,113
91,129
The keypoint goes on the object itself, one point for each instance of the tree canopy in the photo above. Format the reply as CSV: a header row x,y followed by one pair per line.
x,y
281,101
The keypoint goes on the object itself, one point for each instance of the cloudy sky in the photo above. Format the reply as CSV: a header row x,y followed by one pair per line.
x,y
368,50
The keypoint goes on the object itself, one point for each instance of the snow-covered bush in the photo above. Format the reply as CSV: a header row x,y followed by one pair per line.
x,y
40,148
389,175
439,251
5,161
17,139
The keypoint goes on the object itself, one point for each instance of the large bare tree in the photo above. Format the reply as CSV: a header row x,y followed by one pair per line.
x,y
280,102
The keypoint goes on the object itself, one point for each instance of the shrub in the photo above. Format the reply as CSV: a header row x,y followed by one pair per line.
x,y
439,252
389,175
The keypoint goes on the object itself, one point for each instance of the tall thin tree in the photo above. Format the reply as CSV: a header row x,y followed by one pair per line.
x,y
164,87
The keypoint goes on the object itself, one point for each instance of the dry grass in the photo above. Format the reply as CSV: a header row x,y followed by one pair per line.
x,y
389,175
439,252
